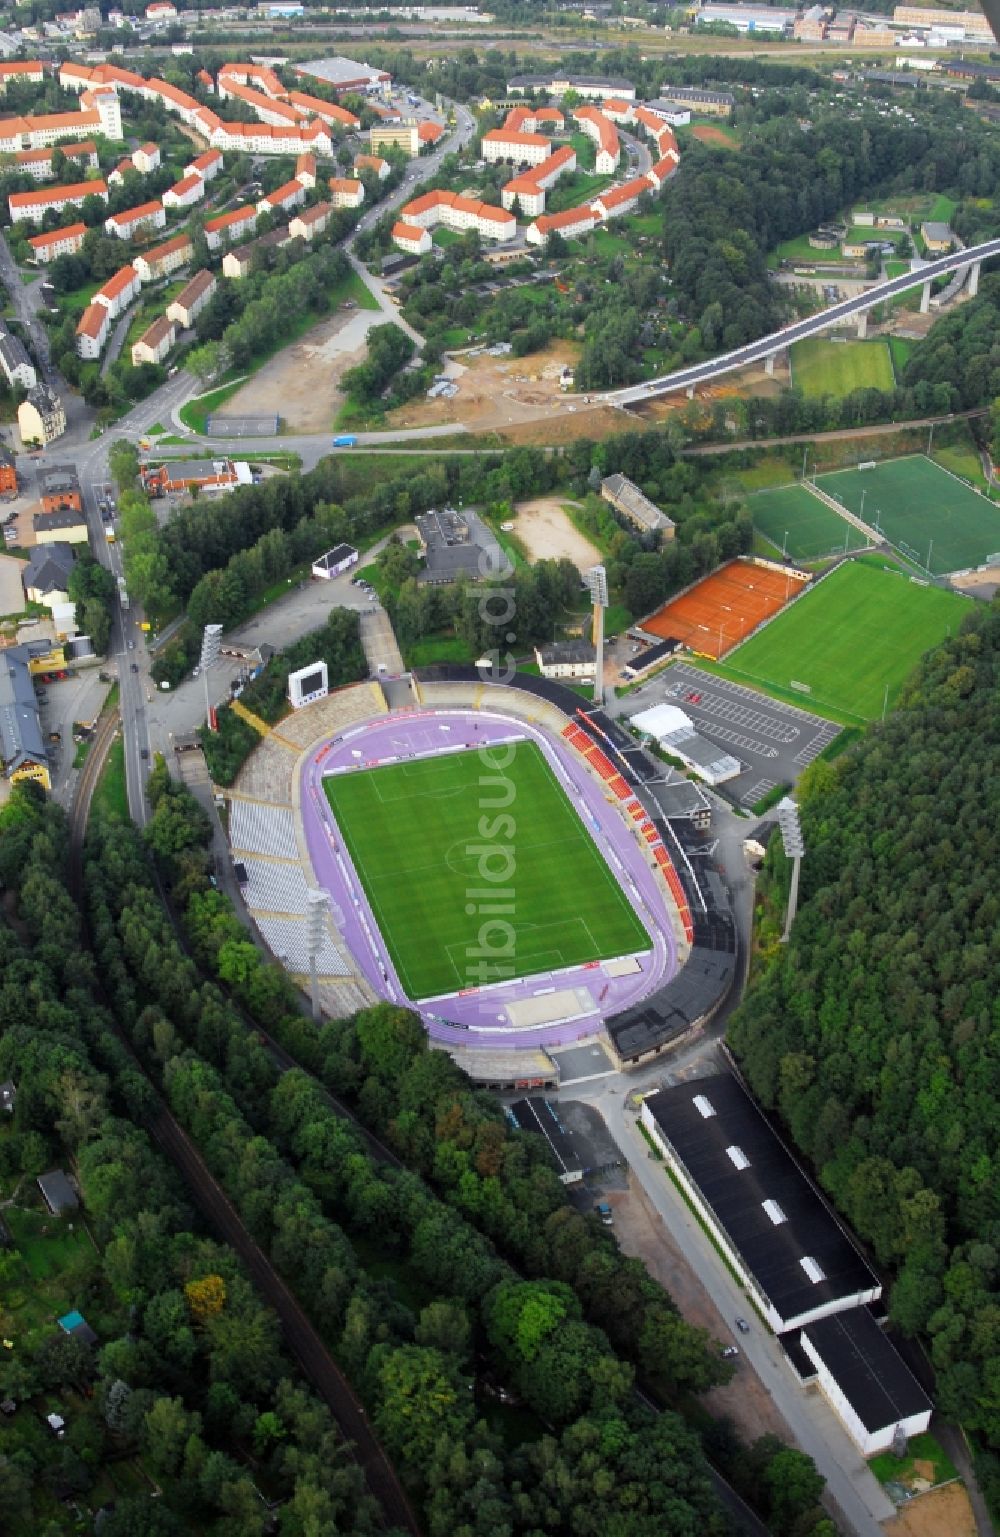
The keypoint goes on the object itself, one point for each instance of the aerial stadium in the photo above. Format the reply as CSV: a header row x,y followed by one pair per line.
x,y
493,857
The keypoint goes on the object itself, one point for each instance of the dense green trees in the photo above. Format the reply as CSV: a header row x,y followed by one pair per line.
x,y
93,590
873,1033
210,1404
389,348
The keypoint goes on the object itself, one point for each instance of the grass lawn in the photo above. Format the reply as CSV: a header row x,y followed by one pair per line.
x,y
822,367
921,508
110,797
409,829
443,237
572,190
859,630
900,350
438,648
644,223
813,529
924,1449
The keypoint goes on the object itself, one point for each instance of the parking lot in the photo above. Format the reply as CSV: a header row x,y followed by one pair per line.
x,y
77,697
773,741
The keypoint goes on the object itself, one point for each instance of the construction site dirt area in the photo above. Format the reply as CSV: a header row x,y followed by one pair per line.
x,y
495,393
944,1512
547,533
303,381
720,611
641,1233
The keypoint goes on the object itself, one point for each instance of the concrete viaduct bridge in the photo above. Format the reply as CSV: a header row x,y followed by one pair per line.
x,y
765,350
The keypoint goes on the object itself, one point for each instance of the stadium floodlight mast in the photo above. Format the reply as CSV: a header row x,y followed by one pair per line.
x,y
211,647
794,846
316,909
597,585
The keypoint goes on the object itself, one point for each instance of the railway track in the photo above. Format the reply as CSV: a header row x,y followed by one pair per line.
x,y
302,1340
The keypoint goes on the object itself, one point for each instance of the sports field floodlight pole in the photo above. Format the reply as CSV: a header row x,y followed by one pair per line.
x,y
316,906
211,647
794,846
597,584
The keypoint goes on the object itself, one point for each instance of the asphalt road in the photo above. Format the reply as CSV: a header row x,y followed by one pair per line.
x,y
766,346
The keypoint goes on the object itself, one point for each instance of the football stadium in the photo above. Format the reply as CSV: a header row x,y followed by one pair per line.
x,y
491,856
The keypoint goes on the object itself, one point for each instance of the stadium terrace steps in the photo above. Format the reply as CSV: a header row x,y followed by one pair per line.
x,y
267,773
256,827
328,716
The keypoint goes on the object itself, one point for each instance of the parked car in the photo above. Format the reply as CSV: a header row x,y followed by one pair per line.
x,y
743,1326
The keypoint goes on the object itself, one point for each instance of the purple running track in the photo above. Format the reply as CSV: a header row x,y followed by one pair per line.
x,y
477,1017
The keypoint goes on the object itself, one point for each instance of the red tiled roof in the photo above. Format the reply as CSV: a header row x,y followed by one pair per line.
x,y
503,136
551,221
403,231
116,285
93,321
72,192
54,236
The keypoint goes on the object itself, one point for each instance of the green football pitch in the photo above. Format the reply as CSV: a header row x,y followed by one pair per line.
x,y
858,630
922,510
421,840
794,520
824,367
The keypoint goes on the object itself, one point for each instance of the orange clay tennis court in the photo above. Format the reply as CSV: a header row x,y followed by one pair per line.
x,y
724,608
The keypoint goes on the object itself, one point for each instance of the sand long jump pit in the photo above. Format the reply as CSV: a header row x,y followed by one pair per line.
x,y
722,609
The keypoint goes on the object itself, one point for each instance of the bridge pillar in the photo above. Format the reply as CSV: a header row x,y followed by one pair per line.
x,y
925,299
769,364
862,325
689,392
973,284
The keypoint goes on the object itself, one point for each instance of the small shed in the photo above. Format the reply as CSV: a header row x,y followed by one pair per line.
x,y
57,1192
74,1323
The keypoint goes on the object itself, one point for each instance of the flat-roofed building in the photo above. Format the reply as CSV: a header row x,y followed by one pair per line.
x,y
625,497
192,299
775,1229
746,18
154,343
866,1382
402,136
345,74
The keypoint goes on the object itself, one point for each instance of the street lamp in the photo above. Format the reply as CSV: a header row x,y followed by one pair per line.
x,y
794,846
211,646
597,585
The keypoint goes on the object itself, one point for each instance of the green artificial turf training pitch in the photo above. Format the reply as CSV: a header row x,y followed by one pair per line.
x,y
856,631
791,518
409,829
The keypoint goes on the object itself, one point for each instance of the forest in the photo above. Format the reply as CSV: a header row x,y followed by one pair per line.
x,y
874,1032
445,1270
188,1389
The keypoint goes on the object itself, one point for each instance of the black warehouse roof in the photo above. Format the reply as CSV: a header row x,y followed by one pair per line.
x,y
772,1214
876,1381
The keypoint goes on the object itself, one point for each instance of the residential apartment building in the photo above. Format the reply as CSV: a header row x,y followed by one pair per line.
x,y
207,166
119,291
154,343
190,189
310,222
459,213
290,195
15,362
92,330
345,192
38,162
41,418
33,206
570,224
146,158
412,238
160,260
501,144
134,221
230,226
192,299
58,242
374,163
